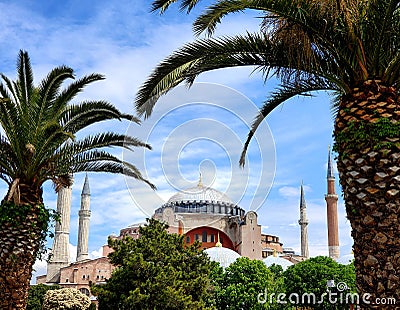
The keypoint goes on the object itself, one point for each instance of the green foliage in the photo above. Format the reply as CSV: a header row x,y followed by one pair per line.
x,y
311,276
36,295
14,215
66,299
240,285
156,271
92,307
361,135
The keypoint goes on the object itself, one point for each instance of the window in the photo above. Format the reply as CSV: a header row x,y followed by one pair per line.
x,y
83,277
204,236
196,237
66,280
84,291
187,239
212,238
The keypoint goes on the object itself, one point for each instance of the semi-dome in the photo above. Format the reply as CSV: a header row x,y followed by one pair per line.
x,y
221,255
272,259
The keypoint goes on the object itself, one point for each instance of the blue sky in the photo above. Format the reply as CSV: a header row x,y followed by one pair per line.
x,y
201,129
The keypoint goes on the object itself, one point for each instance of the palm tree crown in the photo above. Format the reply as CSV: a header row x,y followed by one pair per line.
x,y
310,45
40,125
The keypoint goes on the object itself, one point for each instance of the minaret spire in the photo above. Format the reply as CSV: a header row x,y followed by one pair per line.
x,y
303,222
60,248
332,215
84,220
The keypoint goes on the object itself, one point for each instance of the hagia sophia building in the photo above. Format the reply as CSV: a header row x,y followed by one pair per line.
x,y
200,213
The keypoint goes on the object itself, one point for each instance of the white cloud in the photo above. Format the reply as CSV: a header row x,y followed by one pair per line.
x,y
96,253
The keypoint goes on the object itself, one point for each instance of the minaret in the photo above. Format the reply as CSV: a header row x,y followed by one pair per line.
x,y
60,249
332,214
84,219
303,222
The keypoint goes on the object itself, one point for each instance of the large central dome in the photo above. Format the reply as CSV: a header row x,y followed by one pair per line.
x,y
202,199
200,193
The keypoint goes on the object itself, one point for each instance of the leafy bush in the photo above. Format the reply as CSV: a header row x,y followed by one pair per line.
x,y
66,299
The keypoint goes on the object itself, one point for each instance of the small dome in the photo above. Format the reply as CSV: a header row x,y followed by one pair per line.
x,y
221,255
345,259
270,260
200,193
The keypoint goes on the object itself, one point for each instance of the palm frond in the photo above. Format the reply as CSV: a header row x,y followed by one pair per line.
x,y
107,139
100,161
25,78
392,72
163,5
11,89
8,160
72,90
11,123
50,87
78,116
281,95
382,19
212,16
201,56
209,54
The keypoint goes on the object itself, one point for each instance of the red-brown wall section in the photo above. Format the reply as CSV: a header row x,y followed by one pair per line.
x,y
211,241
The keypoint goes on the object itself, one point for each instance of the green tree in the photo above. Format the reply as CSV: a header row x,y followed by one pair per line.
x,y
156,271
348,47
311,277
244,285
36,295
38,143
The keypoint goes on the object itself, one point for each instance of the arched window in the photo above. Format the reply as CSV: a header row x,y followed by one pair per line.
x,y
85,291
204,236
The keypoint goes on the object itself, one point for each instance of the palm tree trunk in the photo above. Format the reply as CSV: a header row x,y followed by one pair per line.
x,y
21,233
369,170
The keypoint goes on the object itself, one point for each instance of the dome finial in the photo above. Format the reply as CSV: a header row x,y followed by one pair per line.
x,y
200,184
218,244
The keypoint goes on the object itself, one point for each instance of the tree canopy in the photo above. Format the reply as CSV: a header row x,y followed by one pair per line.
x,y
241,284
320,276
156,271
36,295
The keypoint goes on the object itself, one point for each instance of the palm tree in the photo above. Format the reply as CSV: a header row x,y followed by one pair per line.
x,y
348,47
39,143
